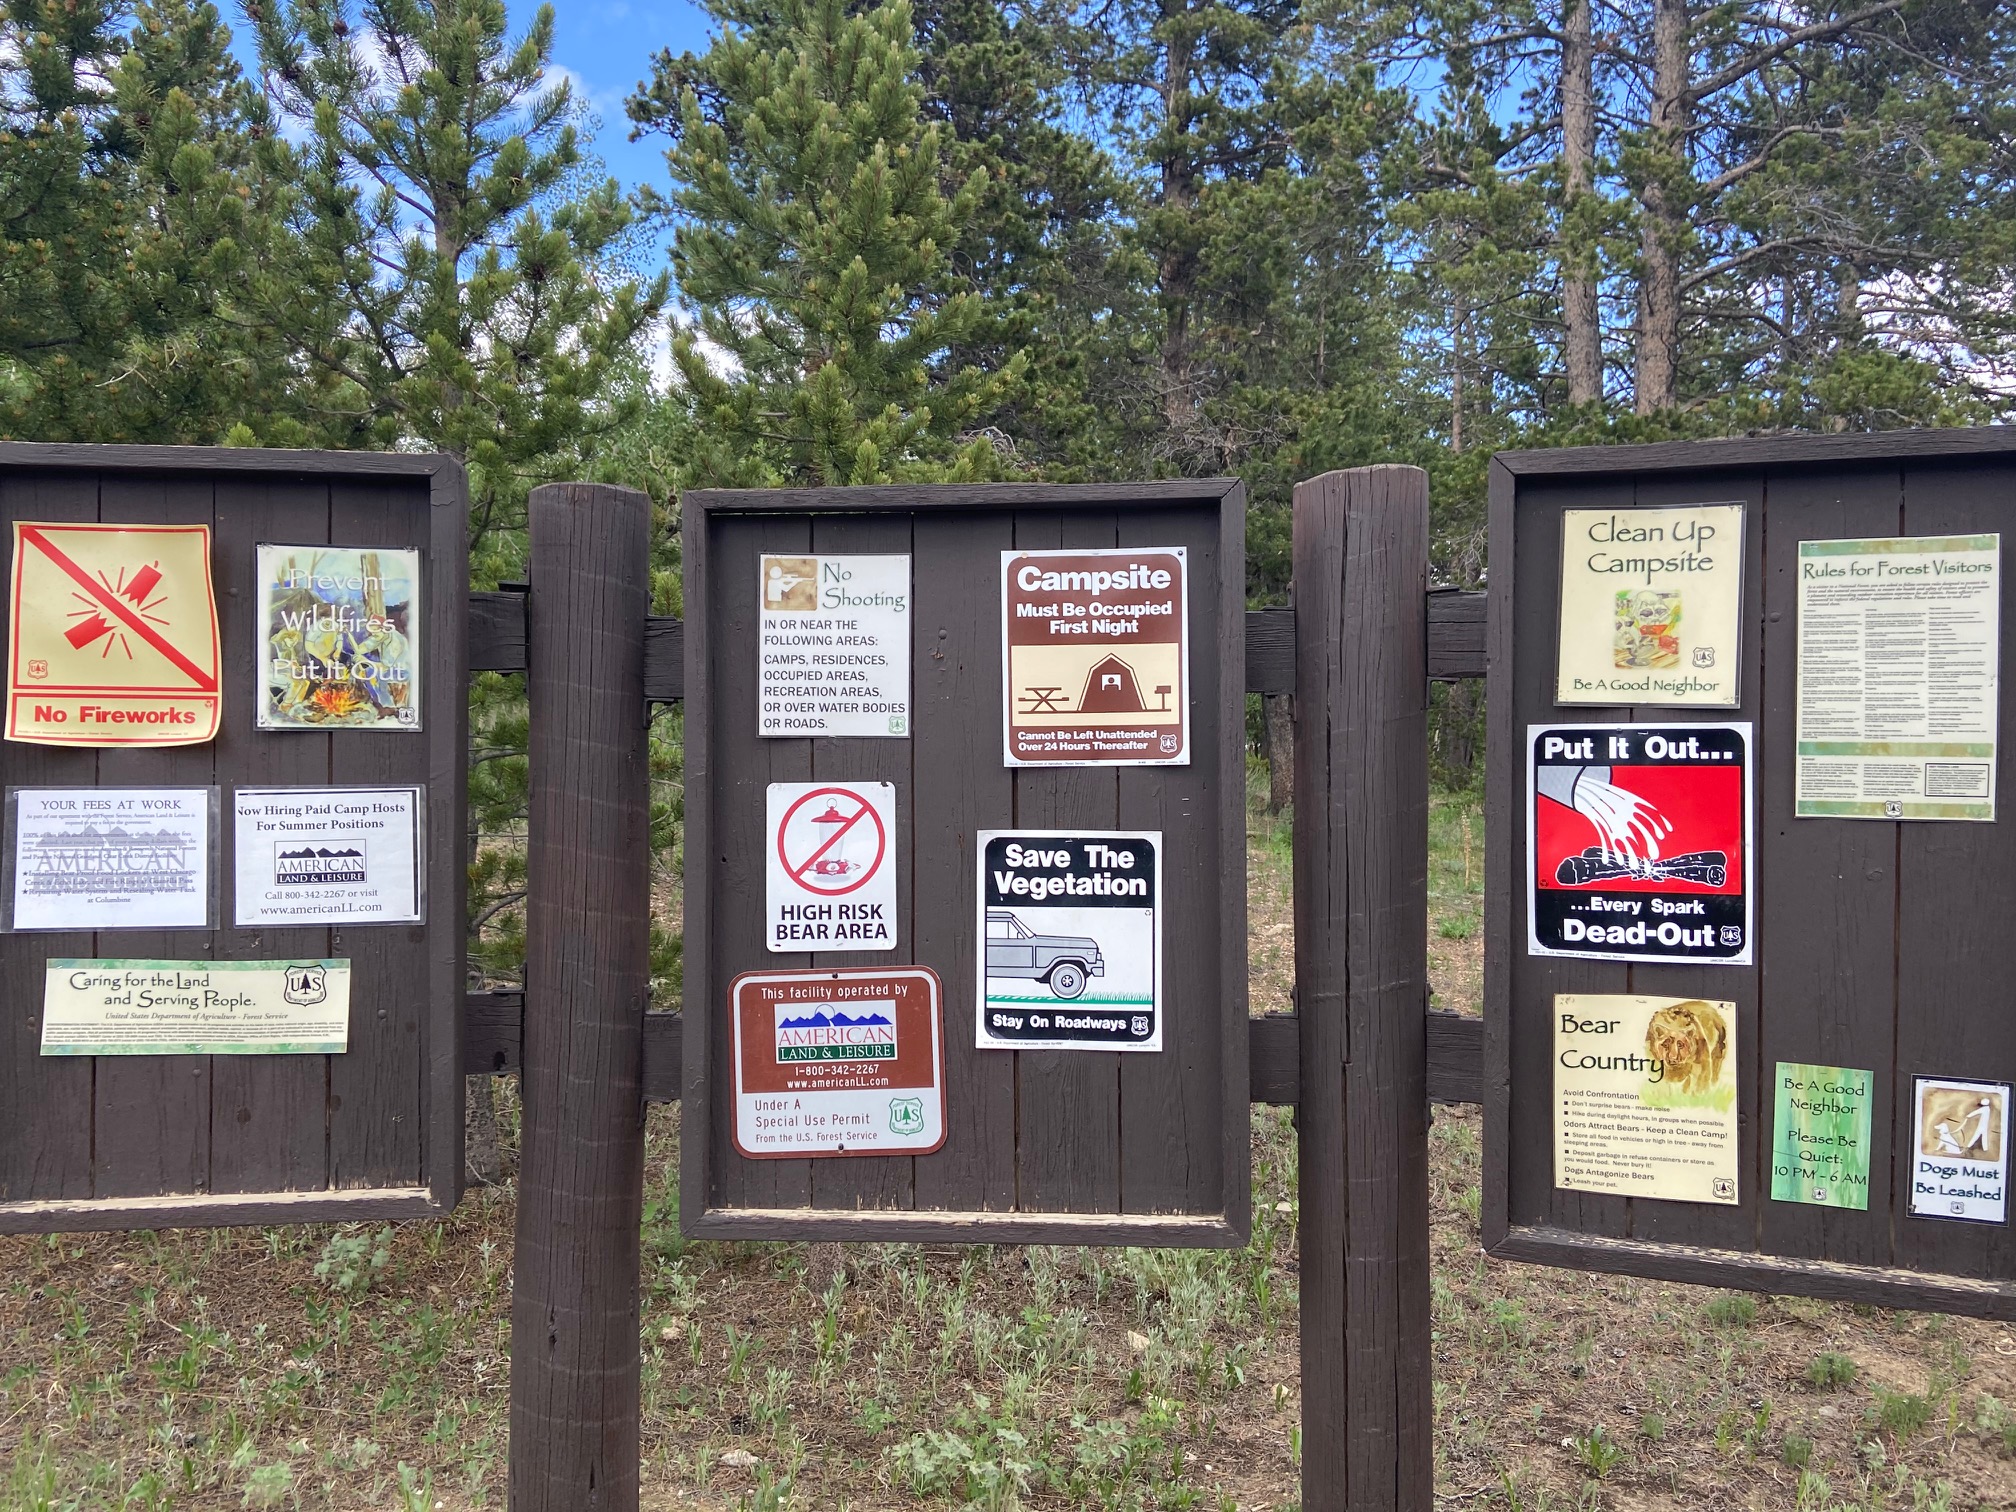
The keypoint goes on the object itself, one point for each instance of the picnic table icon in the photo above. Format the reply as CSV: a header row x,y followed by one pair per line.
x,y
1042,701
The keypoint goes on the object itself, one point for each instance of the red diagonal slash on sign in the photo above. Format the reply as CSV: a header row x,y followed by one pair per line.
x,y
127,614
798,872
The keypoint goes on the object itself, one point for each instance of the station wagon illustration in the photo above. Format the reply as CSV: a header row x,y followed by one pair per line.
x,y
1063,963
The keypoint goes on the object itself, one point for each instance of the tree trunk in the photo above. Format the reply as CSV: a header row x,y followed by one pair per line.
x,y
1663,211
1279,709
1582,332
1176,276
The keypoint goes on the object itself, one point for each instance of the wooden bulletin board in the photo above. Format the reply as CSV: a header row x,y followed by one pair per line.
x,y
149,1141
1042,1146
1877,944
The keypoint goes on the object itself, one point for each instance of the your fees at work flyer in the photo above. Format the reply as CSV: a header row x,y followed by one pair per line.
x,y
1651,606
1820,1136
340,638
834,646
1073,928
196,1007
1645,1097
1095,657
848,1061
110,858
1639,841
1960,1149
1899,653
112,636
307,856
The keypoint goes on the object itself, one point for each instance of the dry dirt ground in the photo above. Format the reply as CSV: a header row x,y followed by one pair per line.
x,y
366,1369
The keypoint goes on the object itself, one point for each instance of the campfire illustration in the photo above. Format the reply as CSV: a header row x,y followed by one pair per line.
x,y
1629,830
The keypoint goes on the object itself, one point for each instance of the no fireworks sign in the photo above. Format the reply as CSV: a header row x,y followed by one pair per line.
x,y
1640,842
831,866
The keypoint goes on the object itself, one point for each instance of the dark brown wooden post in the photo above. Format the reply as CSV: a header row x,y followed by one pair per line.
x,y
1361,952
574,1353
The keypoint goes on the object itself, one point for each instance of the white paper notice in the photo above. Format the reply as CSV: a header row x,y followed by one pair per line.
x,y
111,858
835,653
328,856
1899,644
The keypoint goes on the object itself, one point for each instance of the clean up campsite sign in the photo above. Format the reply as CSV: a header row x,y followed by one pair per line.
x,y
831,866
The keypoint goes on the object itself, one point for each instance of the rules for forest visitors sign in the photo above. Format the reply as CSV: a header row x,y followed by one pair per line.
x,y
112,636
831,866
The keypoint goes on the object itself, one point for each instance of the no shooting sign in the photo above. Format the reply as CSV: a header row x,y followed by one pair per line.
x,y
831,864
1640,840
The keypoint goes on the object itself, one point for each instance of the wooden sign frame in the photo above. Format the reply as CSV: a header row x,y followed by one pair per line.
x,y
1872,938
130,1142
1044,1147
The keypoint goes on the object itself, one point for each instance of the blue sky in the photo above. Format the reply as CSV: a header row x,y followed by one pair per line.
x,y
605,48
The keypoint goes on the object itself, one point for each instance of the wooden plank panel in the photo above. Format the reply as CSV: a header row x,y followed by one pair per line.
x,y
151,1132
742,767
497,632
1456,623
45,1101
1957,890
1529,1141
962,787
1067,1121
1875,448
1826,917
1693,1222
1172,1100
269,1113
874,1181
664,659
377,1092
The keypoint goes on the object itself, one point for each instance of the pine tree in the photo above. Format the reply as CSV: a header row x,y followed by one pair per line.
x,y
813,252
131,218
479,303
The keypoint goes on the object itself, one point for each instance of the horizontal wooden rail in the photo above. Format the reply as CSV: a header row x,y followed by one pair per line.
x,y
492,1040
497,643
492,1027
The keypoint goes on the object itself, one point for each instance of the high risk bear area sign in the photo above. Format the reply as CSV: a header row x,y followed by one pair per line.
x,y
831,866
1640,841
112,636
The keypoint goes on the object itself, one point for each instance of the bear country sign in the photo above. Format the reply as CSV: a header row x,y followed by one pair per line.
x,y
1096,657
1640,842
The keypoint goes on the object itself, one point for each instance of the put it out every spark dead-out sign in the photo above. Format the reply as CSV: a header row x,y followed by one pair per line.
x,y
1640,842
112,635
830,863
